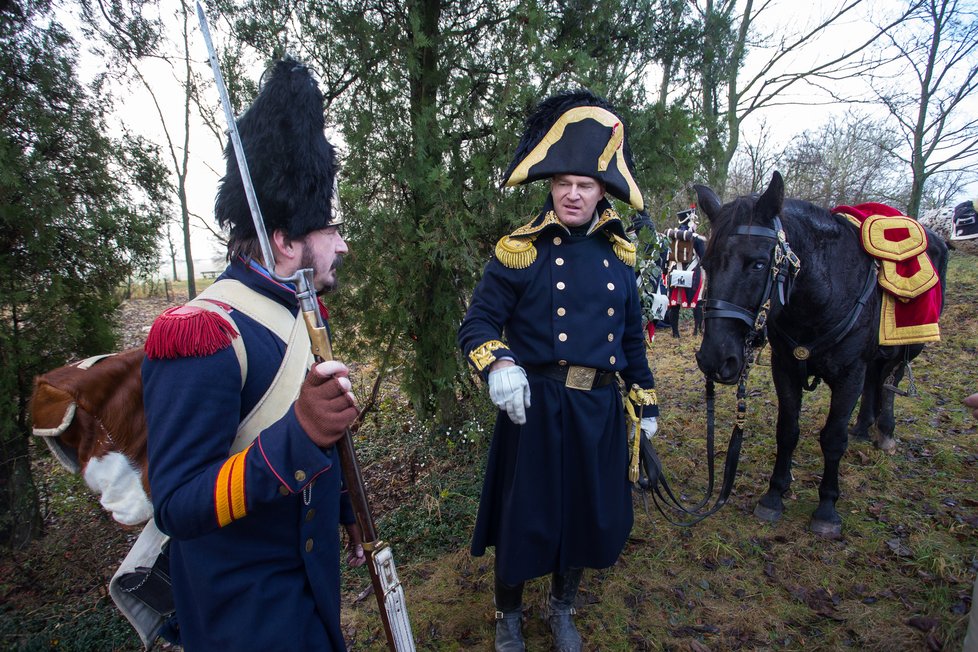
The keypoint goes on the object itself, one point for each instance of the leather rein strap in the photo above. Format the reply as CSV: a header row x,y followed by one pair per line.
x,y
784,267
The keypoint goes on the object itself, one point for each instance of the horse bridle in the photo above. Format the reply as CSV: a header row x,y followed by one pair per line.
x,y
784,267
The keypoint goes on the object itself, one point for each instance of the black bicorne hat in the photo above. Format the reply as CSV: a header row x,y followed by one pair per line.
x,y
687,216
293,167
578,133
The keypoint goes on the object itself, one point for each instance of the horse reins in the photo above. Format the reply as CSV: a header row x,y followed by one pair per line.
x,y
784,267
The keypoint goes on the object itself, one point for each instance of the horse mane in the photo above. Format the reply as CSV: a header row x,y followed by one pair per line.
x,y
820,223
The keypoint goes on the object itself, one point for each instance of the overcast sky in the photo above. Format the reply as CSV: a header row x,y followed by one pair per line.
x,y
138,113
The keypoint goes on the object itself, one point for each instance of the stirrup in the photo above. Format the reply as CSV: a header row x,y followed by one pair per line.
x,y
509,631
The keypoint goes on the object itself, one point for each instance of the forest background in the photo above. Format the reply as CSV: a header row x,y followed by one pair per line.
x,y
426,101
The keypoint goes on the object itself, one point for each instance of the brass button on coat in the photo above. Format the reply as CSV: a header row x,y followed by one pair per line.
x,y
557,240
309,545
311,513
611,312
606,263
559,261
562,337
561,285
561,312
612,359
283,490
611,337
611,286
300,476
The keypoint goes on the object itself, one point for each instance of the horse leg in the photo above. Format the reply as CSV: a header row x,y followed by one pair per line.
x,y
674,320
869,405
771,504
833,440
697,320
886,422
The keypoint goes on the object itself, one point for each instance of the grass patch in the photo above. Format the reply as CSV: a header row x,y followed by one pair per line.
x,y
900,578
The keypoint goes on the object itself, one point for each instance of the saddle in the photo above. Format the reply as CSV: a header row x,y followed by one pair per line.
x,y
911,286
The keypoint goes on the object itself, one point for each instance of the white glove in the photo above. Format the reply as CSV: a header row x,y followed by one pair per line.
x,y
649,426
510,391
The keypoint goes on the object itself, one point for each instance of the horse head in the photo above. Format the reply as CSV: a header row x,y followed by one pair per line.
x,y
738,270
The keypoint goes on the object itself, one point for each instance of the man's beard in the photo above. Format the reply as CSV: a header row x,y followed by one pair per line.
x,y
307,262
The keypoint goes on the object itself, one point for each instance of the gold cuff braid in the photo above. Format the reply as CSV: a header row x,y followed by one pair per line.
x,y
482,356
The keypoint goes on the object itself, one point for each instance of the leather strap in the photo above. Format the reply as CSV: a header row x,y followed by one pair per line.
x,y
298,355
559,372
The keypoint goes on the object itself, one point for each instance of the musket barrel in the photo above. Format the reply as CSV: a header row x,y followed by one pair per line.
x,y
383,575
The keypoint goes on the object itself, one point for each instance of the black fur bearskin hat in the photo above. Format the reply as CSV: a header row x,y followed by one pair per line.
x,y
293,167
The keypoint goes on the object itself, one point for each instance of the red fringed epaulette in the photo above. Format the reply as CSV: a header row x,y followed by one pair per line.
x,y
188,331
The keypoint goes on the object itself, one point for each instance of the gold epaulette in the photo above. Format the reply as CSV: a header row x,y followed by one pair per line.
x,y
624,249
516,253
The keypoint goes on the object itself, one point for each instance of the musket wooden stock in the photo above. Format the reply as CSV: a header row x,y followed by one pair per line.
x,y
383,575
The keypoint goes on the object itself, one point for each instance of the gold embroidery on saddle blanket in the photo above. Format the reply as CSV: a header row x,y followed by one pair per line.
x,y
911,299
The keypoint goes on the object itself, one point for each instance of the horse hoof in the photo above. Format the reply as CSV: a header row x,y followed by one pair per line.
x,y
887,445
766,513
827,529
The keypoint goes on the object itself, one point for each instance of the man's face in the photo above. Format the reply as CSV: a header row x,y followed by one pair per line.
x,y
323,251
575,198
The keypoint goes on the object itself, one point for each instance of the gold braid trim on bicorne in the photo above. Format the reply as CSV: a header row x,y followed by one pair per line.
x,y
482,355
516,253
624,249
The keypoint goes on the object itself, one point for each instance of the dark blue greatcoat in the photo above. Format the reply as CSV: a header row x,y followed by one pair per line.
x,y
556,493
268,580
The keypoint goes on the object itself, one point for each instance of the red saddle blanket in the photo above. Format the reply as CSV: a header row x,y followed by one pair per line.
x,y
911,285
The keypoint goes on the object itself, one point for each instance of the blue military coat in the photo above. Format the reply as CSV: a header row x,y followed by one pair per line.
x,y
254,550
556,493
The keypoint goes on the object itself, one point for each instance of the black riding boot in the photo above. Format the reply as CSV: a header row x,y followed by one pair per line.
x,y
674,320
509,617
560,614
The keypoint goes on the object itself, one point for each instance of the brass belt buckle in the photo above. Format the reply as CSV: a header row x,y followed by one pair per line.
x,y
580,378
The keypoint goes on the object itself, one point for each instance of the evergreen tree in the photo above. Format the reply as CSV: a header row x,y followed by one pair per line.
x,y
430,98
69,232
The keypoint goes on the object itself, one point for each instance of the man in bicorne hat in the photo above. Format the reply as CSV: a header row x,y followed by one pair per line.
x,y
684,273
252,515
553,323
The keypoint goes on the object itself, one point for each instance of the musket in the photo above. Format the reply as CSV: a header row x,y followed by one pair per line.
x,y
380,559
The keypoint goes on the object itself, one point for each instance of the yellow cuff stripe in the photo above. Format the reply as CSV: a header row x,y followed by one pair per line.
x,y
229,490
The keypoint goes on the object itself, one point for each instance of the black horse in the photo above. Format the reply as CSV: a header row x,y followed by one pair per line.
x,y
823,295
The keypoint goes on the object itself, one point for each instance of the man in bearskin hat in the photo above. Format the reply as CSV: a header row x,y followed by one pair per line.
x,y
684,274
252,518
551,326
